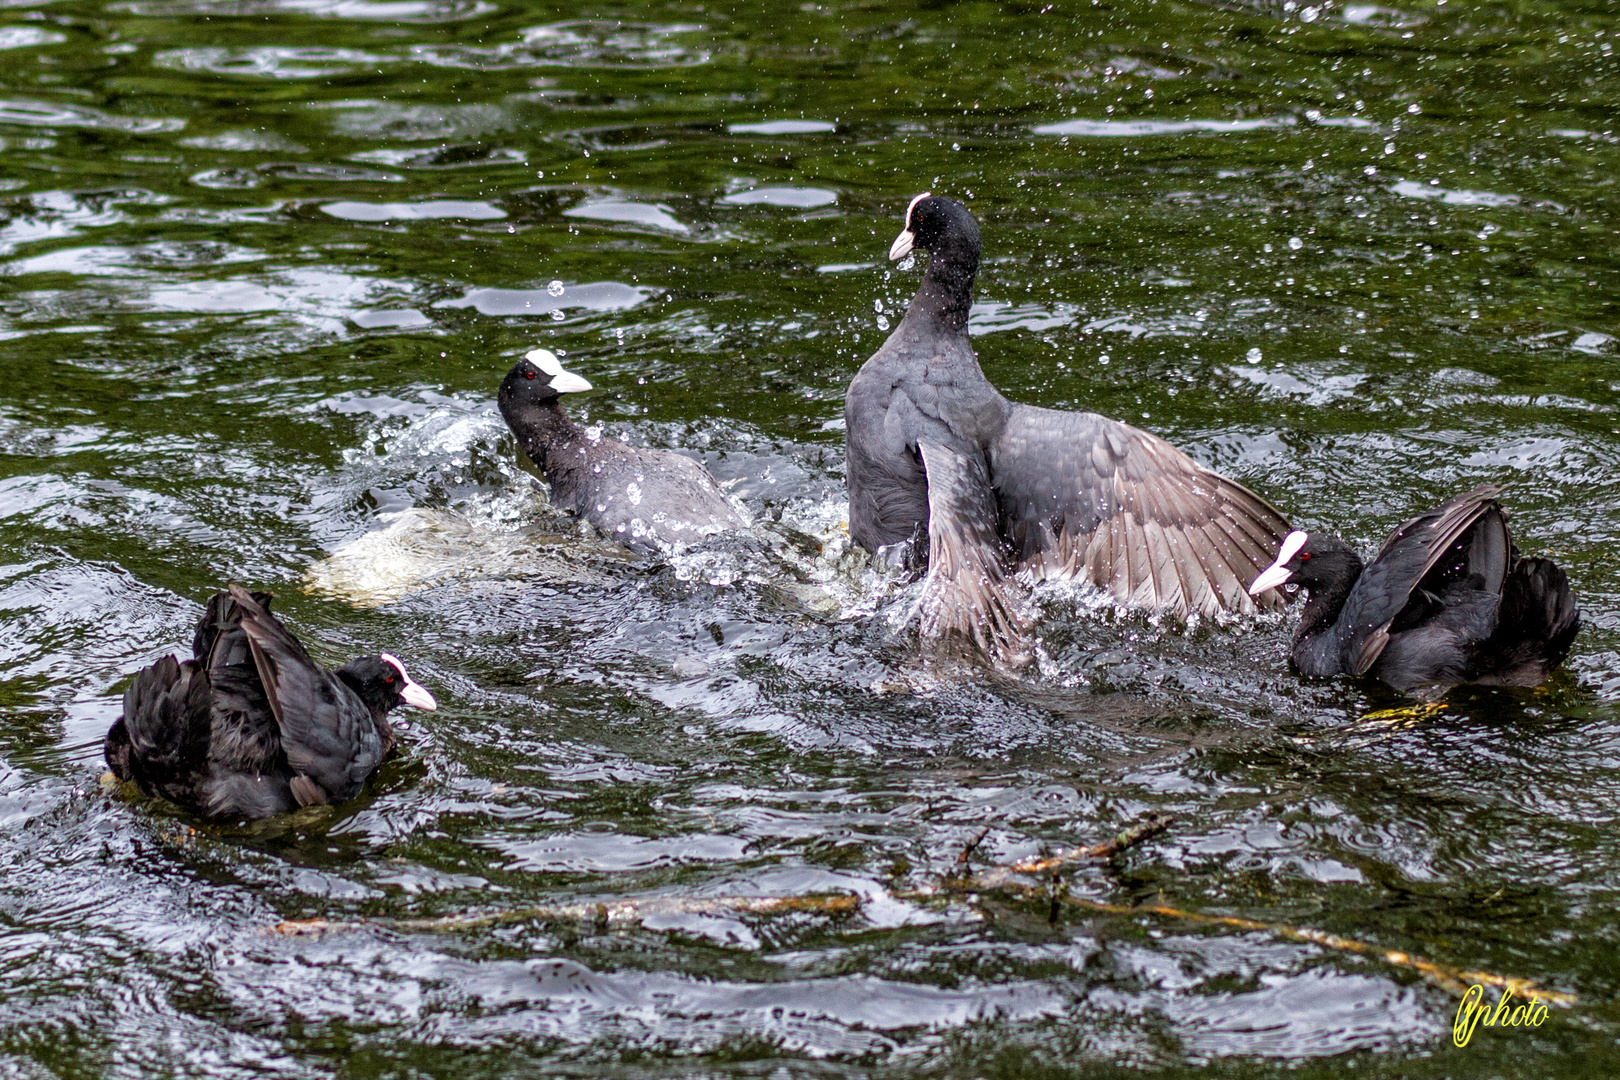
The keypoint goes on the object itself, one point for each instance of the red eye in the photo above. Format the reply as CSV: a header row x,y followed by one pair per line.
x,y
390,679
528,374
1304,555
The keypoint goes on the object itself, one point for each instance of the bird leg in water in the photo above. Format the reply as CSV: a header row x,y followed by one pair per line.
x,y
1406,716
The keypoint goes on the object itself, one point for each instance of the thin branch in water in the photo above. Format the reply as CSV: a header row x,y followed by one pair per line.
x,y
607,915
1151,825
1453,980
972,846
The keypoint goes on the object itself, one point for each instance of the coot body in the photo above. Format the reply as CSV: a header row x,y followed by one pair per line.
x,y
1447,600
251,726
933,448
645,499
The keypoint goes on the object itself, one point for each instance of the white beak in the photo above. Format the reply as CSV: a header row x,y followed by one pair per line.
x,y
902,245
412,693
566,382
1272,576
415,695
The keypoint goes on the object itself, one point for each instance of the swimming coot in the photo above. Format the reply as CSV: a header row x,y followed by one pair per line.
x,y
645,499
251,726
1447,600
1054,494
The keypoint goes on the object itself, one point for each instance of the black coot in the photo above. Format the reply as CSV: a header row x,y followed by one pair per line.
x,y
1447,600
1000,487
645,499
251,726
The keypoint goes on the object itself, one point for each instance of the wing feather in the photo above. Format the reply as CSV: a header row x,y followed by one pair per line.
x,y
1411,552
327,732
1130,513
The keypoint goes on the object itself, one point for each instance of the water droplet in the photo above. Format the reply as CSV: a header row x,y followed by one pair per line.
x,y
956,146
1253,355
1295,243
1389,148
883,322
1310,14
558,316
1265,247
555,288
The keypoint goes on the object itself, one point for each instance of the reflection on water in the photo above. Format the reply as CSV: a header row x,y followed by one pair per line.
x,y
262,266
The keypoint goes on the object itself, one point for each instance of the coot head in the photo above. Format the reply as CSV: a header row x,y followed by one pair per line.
x,y
383,685
932,221
538,379
1308,559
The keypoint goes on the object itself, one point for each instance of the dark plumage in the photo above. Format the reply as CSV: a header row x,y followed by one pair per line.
x,y
251,726
1447,600
645,499
1056,494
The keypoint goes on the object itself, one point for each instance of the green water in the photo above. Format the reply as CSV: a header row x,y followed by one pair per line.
x,y
262,265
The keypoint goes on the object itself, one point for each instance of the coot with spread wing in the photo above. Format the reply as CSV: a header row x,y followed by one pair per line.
x,y
1000,487
251,726
1447,600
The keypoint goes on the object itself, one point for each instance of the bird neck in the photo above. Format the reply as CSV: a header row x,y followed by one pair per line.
x,y
1334,573
543,430
946,292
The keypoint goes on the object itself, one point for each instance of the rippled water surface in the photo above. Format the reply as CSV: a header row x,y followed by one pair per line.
x,y
262,266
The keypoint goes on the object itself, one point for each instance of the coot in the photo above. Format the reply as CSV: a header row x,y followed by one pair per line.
x,y
1447,600
999,487
645,499
251,726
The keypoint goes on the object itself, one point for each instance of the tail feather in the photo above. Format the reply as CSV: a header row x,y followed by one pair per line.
x,y
1535,626
162,739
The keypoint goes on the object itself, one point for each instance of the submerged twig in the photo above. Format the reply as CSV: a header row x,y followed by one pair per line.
x,y
630,913
1454,980
972,845
606,915
1151,824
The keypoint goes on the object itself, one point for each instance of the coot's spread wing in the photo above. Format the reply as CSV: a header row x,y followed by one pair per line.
x,y
1464,538
327,732
966,592
1089,497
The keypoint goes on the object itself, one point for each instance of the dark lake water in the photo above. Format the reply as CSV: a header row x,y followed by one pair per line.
x,y
263,264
